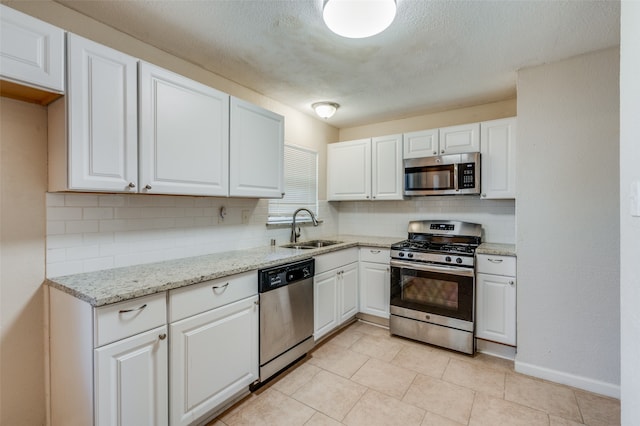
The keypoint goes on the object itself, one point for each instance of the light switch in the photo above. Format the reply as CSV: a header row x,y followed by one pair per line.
x,y
635,199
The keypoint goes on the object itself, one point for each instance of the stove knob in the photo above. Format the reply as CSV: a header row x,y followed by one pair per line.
x,y
448,258
458,260
401,254
410,255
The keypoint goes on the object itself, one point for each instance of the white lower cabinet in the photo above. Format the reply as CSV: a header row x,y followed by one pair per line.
x,y
131,385
108,365
374,281
335,285
214,355
496,299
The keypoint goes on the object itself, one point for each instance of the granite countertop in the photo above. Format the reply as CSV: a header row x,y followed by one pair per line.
x,y
114,285
497,249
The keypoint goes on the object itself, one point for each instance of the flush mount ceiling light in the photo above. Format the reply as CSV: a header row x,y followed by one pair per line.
x,y
358,18
325,109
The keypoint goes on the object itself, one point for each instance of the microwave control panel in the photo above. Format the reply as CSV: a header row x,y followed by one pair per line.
x,y
466,175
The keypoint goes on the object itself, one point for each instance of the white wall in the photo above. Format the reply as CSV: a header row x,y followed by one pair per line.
x,y
567,218
23,181
630,226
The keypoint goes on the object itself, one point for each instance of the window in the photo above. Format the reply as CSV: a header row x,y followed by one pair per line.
x,y
300,185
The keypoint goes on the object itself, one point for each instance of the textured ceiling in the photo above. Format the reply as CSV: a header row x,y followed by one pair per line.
x,y
435,55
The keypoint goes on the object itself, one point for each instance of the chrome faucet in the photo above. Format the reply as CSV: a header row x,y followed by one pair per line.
x,y
295,234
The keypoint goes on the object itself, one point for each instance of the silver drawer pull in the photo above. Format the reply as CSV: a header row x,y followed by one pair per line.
x,y
126,311
162,336
494,260
374,251
220,287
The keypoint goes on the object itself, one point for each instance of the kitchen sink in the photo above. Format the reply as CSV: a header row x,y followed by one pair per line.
x,y
306,245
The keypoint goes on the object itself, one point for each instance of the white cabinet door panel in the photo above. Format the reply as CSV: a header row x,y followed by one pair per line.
x,y
387,171
256,154
214,355
419,144
375,286
349,170
325,303
184,134
31,51
498,158
131,386
496,308
460,139
102,118
348,283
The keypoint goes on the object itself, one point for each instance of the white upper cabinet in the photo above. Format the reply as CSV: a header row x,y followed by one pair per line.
x,y
460,139
424,143
99,150
498,158
31,51
184,134
446,140
386,170
256,151
365,169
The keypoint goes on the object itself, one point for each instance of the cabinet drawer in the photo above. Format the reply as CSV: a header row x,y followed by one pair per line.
x,y
497,265
373,254
194,299
326,262
124,319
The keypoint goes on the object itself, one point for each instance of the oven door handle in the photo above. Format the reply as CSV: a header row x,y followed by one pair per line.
x,y
429,267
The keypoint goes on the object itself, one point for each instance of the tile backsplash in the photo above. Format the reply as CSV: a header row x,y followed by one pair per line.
x,y
91,232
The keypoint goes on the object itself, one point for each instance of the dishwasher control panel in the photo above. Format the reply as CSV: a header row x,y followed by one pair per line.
x,y
278,276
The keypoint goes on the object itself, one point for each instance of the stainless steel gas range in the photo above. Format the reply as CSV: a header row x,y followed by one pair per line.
x,y
433,283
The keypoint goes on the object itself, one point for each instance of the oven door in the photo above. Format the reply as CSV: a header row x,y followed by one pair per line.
x,y
432,289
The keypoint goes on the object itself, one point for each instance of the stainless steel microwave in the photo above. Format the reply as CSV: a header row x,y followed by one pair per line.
x,y
450,174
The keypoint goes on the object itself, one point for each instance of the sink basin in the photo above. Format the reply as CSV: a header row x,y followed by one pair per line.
x,y
306,245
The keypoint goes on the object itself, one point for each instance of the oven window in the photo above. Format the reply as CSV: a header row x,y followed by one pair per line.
x,y
434,292
437,293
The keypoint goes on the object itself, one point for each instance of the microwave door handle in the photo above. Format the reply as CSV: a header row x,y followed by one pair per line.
x,y
455,177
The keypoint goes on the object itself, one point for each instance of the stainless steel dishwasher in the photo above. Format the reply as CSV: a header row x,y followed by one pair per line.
x,y
286,315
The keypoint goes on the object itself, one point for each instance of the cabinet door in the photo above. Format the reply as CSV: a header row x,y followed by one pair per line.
x,y
458,139
131,385
387,171
496,308
421,144
498,148
31,51
375,286
348,283
184,135
256,151
102,118
349,170
325,303
214,355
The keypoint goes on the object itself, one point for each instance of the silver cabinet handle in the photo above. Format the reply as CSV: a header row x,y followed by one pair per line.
x,y
494,260
126,311
375,251
435,152
484,195
162,336
147,187
442,151
218,287
132,185
511,282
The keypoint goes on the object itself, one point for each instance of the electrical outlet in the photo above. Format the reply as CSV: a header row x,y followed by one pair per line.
x,y
246,214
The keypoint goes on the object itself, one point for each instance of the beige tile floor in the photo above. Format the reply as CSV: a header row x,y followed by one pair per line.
x,y
364,376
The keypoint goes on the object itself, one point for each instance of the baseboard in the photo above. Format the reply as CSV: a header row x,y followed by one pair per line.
x,y
373,319
585,383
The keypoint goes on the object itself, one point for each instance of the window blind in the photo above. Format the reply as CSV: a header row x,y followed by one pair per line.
x,y
300,185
